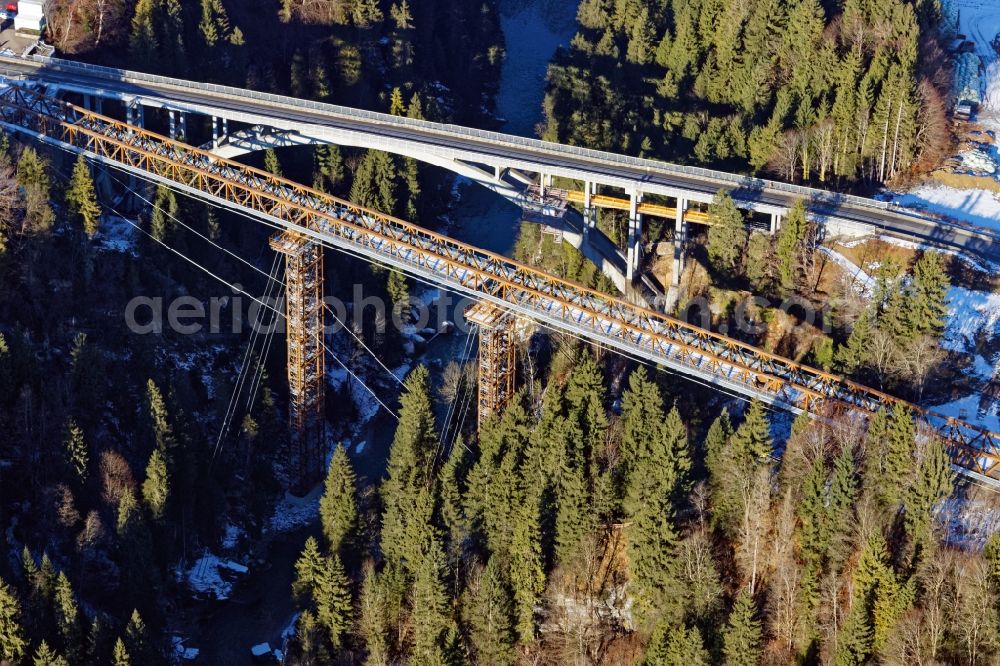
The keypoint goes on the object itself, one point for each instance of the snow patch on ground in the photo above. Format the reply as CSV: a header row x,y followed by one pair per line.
x,y
294,512
117,234
863,282
184,653
214,576
973,262
232,536
969,523
979,207
971,312
364,401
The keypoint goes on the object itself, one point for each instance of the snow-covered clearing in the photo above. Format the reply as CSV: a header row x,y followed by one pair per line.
x,y
979,207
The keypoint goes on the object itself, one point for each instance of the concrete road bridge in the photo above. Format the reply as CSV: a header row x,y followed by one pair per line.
x,y
234,121
308,220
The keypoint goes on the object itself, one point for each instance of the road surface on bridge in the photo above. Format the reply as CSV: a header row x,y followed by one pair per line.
x,y
476,147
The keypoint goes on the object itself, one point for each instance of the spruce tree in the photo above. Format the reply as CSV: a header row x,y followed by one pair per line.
x,y
928,302
68,621
13,645
156,487
742,634
788,245
432,623
933,482
813,512
308,570
338,507
46,656
120,656
143,45
397,107
652,537
526,573
716,442
82,197
331,592
375,183
135,548
163,433
399,292
451,481
676,645
165,209
854,354
752,441
642,413
76,451
137,640
727,235
328,171
843,495
757,267
271,163
491,617
407,504
574,514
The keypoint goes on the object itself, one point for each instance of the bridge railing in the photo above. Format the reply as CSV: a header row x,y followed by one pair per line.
x,y
571,307
812,195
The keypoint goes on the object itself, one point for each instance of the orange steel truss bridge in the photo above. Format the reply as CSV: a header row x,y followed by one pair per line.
x,y
312,217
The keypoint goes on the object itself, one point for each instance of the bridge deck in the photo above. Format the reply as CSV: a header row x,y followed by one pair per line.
x,y
556,303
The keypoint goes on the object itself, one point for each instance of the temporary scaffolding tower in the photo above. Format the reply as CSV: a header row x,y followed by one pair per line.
x,y
306,362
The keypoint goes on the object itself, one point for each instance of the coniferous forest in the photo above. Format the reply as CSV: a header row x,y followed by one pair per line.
x,y
614,513
828,93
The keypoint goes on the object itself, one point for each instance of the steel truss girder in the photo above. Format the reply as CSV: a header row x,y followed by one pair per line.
x,y
604,319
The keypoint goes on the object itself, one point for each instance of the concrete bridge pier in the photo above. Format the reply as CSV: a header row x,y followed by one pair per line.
x,y
680,236
775,222
136,114
173,123
634,252
589,210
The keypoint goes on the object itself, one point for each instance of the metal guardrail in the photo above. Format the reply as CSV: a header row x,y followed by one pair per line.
x,y
811,194
632,329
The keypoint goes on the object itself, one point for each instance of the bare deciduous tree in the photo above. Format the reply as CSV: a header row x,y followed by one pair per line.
x,y
755,504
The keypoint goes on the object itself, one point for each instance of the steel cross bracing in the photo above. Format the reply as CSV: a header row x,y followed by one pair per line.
x,y
526,291
304,339
497,357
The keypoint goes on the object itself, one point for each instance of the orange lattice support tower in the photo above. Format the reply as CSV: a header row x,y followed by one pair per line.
x,y
306,360
497,357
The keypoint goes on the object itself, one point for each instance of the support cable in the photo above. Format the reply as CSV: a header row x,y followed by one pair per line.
x,y
244,370
255,299
248,263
